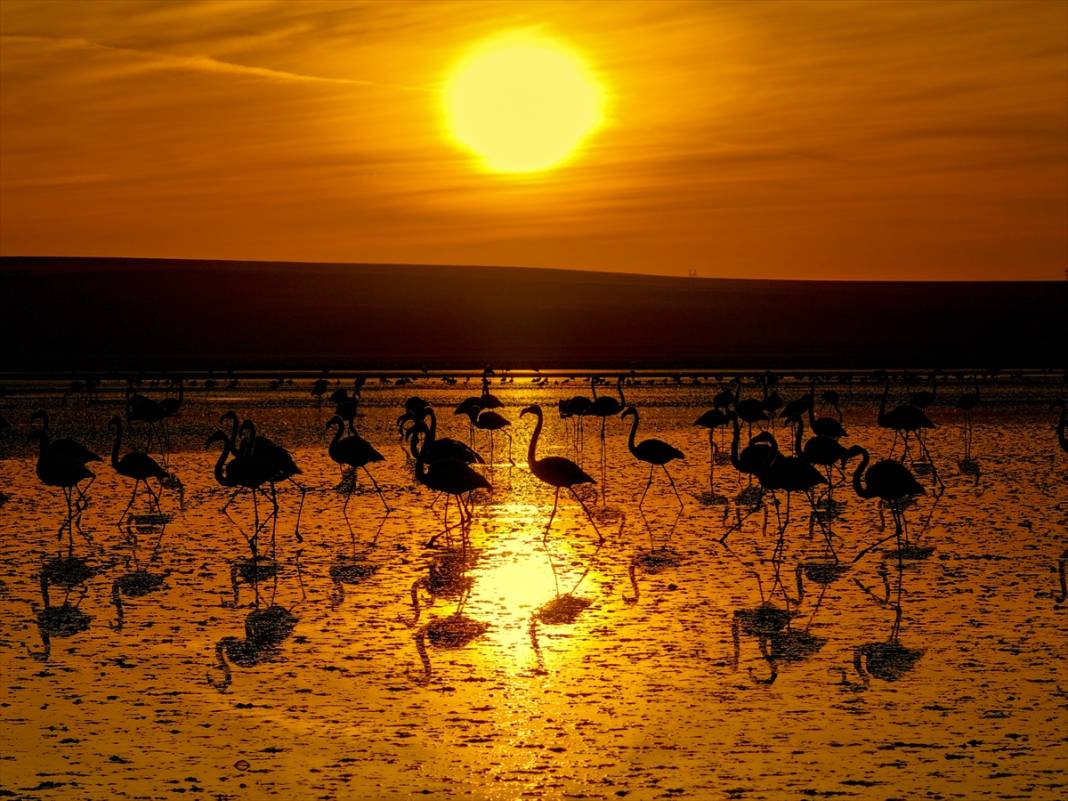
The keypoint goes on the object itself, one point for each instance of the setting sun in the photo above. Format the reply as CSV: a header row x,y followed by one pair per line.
x,y
522,103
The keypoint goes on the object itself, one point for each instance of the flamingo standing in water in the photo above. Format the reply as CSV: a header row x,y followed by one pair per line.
x,y
355,453
889,481
136,465
903,420
713,419
654,452
434,448
65,473
604,407
454,477
557,472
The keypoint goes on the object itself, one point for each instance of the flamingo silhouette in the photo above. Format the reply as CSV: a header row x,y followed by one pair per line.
x,y
136,465
889,481
66,474
604,407
240,473
715,418
453,477
903,420
654,452
435,448
355,453
64,448
556,471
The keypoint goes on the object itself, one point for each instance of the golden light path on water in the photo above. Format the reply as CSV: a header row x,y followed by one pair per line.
x,y
635,693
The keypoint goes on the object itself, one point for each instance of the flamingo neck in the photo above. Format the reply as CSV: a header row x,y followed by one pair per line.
x,y
799,434
633,433
619,389
857,486
532,449
735,438
220,475
432,433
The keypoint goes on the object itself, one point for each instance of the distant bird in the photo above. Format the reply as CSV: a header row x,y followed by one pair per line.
x,y
714,419
318,389
822,426
556,471
172,405
356,453
831,398
491,421
903,420
142,409
136,465
604,407
749,410
575,408
654,452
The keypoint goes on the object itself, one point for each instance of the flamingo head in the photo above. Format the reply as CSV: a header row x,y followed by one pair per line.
x,y
336,420
854,451
630,411
532,409
228,417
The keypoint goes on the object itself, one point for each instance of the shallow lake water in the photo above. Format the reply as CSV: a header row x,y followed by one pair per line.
x,y
634,686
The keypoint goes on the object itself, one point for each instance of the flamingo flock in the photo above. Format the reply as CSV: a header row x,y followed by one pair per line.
x,y
251,465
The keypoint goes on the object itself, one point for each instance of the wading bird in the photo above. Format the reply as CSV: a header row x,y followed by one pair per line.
x,y
136,465
654,452
557,472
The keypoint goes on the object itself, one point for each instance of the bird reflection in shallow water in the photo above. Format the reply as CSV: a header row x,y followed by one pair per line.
x,y
140,581
265,631
447,578
654,559
64,620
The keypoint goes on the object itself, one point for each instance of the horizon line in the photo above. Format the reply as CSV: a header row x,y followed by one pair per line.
x,y
580,270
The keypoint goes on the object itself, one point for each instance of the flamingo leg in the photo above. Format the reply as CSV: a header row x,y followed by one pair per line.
x,y
345,512
556,502
648,484
600,536
673,487
377,489
133,497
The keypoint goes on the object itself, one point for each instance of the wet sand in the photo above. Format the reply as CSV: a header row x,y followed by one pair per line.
x,y
634,697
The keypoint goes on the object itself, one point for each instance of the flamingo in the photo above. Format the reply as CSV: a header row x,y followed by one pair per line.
x,y
822,426
454,477
750,410
654,452
903,420
713,419
63,448
353,452
136,465
889,481
575,408
140,408
280,463
67,474
492,421
925,397
556,471
604,407
240,473
433,448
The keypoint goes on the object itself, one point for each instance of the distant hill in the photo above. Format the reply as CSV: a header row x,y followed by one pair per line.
x,y
102,313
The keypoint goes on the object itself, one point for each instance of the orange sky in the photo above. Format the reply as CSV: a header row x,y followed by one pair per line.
x,y
763,139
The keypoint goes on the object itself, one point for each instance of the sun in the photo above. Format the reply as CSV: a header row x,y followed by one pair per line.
x,y
522,103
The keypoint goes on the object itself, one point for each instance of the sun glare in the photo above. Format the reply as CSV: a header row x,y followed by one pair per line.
x,y
522,103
